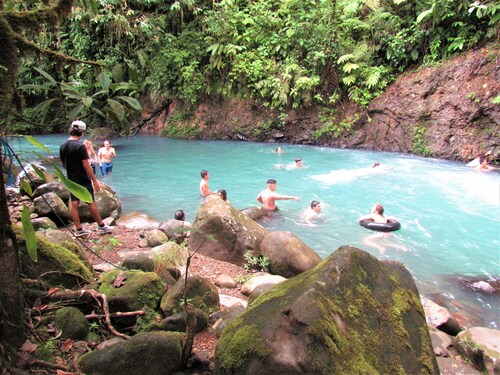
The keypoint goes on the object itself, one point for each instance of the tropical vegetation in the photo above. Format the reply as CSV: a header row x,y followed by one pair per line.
x,y
281,53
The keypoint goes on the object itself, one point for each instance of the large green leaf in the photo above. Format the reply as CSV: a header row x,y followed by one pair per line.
x,y
29,234
25,185
75,113
34,142
132,102
39,172
117,109
77,190
426,13
104,80
44,107
47,76
87,101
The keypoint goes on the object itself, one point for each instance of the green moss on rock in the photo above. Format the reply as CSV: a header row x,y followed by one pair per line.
x,y
72,323
59,264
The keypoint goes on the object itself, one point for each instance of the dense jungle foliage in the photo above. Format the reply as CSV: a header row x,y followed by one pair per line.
x,y
282,53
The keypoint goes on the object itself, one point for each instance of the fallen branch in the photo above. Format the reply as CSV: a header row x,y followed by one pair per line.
x,y
88,295
117,314
41,363
136,129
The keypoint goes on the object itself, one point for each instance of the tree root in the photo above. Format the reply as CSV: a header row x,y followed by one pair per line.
x,y
90,295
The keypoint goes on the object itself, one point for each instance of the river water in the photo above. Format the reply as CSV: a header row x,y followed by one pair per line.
x,y
449,213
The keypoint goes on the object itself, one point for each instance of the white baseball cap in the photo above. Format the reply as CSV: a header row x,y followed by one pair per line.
x,y
78,125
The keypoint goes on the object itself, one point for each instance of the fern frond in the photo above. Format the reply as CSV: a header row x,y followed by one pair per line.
x,y
345,58
349,80
373,76
350,67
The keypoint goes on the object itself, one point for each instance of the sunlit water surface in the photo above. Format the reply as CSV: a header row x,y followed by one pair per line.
x,y
449,213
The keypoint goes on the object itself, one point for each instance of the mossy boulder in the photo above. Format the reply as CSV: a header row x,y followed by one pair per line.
x,y
56,264
234,232
64,239
138,261
201,294
168,255
288,256
351,314
152,353
136,291
72,323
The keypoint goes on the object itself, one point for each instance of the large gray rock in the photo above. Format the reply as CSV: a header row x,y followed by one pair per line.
x,y
260,278
52,187
201,293
288,256
155,237
138,220
235,233
254,212
351,314
144,354
481,346
175,229
106,201
439,317
52,206
43,223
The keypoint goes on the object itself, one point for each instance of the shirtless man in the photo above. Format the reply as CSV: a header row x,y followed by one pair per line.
x,y
377,215
312,213
91,152
269,196
204,190
105,155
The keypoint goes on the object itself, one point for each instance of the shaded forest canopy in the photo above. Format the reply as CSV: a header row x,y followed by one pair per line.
x,y
284,54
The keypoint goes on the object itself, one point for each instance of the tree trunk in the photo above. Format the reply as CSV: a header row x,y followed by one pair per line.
x,y
12,332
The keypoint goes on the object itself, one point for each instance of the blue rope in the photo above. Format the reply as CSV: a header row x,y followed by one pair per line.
x,y
7,155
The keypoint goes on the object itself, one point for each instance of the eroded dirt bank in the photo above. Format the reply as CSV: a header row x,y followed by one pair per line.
x,y
448,111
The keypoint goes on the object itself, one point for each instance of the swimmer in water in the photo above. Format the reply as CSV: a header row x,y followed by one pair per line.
x,y
268,197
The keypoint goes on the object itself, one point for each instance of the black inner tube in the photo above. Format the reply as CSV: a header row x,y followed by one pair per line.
x,y
390,226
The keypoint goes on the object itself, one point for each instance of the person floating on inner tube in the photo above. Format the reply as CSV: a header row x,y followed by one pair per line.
x,y
378,222
377,215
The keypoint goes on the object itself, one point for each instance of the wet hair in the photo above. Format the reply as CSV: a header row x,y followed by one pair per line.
x,y
297,160
379,209
271,181
314,204
375,165
203,173
223,194
179,215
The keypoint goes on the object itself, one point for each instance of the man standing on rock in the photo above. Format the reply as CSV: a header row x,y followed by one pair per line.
x,y
204,190
269,196
75,159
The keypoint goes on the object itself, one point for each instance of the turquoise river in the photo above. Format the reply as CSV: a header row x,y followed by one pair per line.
x,y
449,213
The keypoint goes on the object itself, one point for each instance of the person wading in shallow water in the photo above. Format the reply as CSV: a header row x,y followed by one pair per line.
x,y
105,155
268,197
